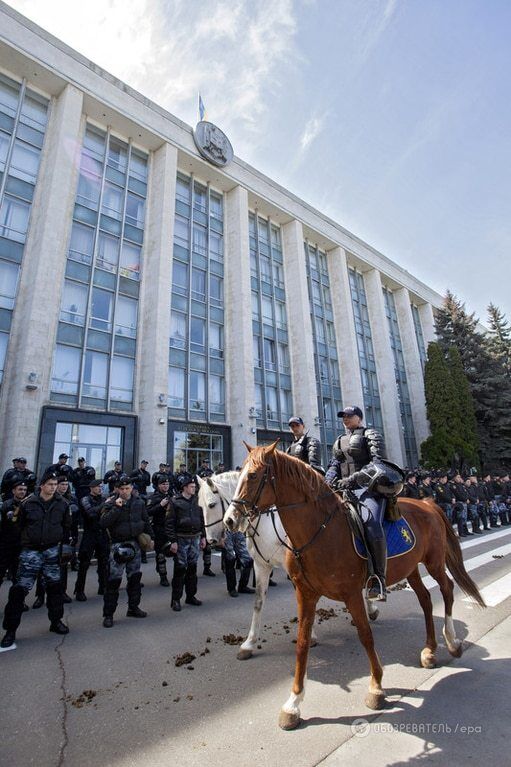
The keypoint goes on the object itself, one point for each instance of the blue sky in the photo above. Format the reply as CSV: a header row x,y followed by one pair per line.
x,y
391,116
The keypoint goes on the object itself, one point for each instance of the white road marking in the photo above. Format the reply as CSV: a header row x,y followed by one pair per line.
x,y
472,564
496,592
477,541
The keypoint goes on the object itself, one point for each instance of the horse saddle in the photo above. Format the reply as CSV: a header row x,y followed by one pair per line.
x,y
399,535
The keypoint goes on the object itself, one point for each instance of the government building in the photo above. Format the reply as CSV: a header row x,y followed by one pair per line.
x,y
161,299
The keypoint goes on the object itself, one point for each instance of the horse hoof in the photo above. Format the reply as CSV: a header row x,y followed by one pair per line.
x,y
244,654
375,701
457,651
428,659
288,721
374,615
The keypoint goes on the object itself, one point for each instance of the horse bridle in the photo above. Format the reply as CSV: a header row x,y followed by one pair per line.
x,y
211,524
253,509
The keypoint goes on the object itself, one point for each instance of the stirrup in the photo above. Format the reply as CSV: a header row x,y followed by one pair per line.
x,y
375,589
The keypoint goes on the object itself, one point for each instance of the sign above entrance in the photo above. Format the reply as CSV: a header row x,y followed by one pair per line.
x,y
212,143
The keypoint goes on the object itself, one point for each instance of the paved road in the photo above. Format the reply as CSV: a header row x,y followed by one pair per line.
x,y
146,711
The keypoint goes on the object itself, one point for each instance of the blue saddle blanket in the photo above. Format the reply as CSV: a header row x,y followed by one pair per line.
x,y
400,539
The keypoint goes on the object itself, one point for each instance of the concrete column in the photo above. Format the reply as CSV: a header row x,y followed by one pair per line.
x,y
299,324
238,324
35,318
154,325
413,365
427,319
384,367
347,350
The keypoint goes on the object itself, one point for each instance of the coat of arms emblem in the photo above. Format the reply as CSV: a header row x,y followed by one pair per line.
x,y
212,143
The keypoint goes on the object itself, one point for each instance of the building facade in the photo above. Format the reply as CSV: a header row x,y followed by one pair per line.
x,y
154,305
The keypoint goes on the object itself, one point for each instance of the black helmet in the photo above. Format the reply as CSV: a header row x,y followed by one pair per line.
x,y
383,477
124,552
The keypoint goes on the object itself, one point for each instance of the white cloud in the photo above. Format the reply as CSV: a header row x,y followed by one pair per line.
x,y
311,131
236,52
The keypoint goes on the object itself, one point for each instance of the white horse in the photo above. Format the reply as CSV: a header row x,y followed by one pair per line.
x,y
264,543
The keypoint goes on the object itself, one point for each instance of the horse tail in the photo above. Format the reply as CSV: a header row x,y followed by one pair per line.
x,y
454,561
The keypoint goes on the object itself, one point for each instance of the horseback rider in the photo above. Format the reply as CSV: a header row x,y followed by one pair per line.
x,y
358,464
303,446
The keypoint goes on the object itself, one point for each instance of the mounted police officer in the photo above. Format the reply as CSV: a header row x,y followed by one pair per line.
x,y
303,446
94,541
45,522
358,464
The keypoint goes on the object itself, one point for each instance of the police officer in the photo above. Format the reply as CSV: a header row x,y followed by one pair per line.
x,y
125,517
352,452
44,521
157,505
205,470
82,477
304,447
94,541
411,489
426,489
175,482
460,505
235,549
141,478
473,505
445,495
10,532
62,468
113,476
186,535
18,471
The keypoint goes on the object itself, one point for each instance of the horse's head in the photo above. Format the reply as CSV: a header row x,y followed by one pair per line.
x,y
255,489
210,502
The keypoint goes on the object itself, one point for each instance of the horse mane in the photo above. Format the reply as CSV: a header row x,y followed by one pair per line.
x,y
288,468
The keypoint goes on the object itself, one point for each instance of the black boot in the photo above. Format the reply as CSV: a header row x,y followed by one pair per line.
x,y
376,586
243,587
134,590
55,605
191,586
59,628
80,581
63,579
161,569
111,598
14,608
230,576
178,582
8,640
208,571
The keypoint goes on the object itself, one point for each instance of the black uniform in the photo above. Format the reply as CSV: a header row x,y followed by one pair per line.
x,y
157,514
184,525
82,477
111,478
10,538
61,470
94,542
411,490
351,452
14,475
141,480
308,450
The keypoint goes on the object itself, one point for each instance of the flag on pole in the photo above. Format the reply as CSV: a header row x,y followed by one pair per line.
x,y
203,115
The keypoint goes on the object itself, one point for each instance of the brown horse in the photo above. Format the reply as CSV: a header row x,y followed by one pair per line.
x,y
323,561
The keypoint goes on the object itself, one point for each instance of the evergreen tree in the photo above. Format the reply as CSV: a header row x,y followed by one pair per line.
x,y
499,338
468,432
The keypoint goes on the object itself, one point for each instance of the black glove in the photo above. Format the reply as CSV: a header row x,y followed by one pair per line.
x,y
343,484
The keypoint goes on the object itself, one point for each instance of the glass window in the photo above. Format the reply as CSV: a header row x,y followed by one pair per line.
x,y
197,390
9,95
24,161
216,290
216,394
180,278
215,206
255,306
258,400
269,354
34,110
108,252
265,267
121,379
74,303
130,260
176,396
117,155
216,336
126,316
198,284
101,310
197,333
8,283
256,351
183,189
283,358
138,165
177,330
271,403
4,339
285,405
200,241
280,309
82,243
95,369
5,140
135,210
94,141
216,245
182,231
112,200
89,187
199,197
14,219
267,308
66,370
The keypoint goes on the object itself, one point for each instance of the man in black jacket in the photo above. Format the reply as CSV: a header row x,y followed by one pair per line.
x,y
113,476
185,532
411,489
141,478
61,468
304,447
157,505
94,541
125,517
82,477
19,471
10,532
460,505
45,522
